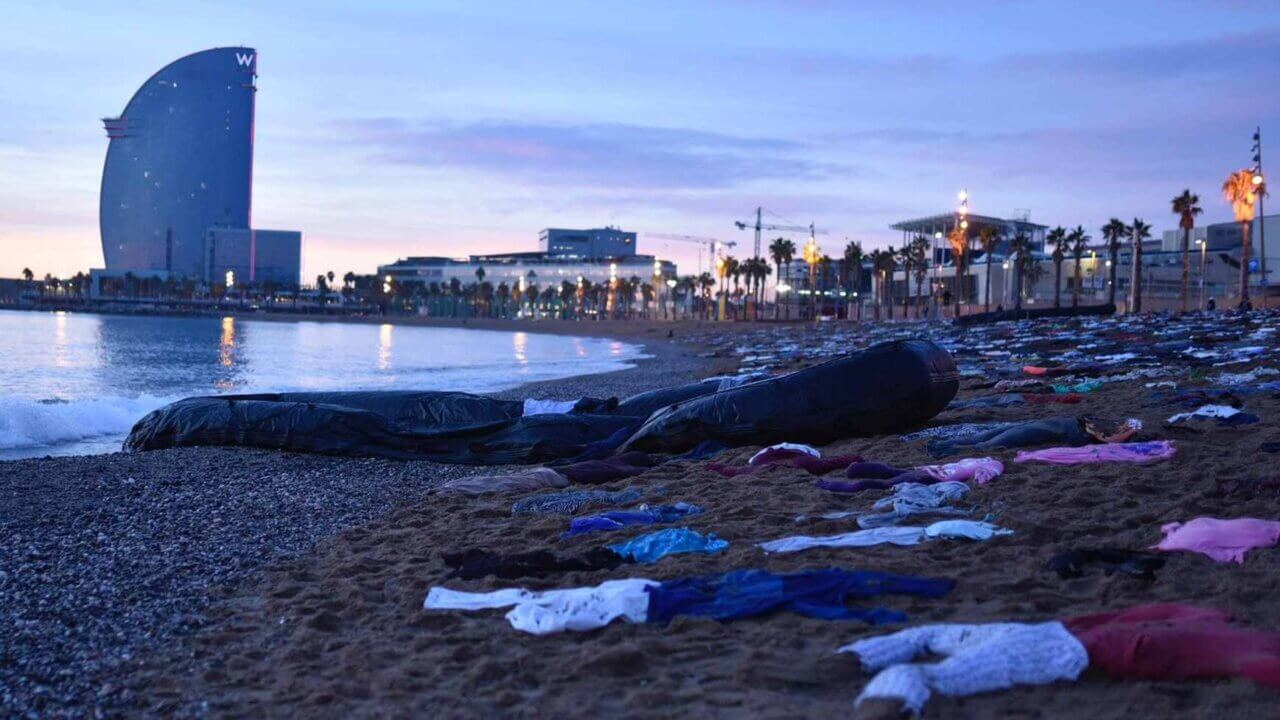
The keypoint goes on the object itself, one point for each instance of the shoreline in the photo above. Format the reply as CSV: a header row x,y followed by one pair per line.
x,y
117,557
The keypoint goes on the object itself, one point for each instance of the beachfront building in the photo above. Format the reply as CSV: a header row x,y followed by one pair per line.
x,y
570,262
176,196
937,281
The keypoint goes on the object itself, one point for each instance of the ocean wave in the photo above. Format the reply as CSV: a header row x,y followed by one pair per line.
x,y
36,423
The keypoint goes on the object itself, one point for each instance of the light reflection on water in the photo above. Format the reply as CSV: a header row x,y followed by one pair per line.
x,y
129,365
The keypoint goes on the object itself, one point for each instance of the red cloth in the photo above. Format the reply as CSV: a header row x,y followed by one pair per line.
x,y
1043,399
1176,642
808,463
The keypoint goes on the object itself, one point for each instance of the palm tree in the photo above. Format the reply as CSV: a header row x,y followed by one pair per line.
x,y
1138,232
1114,233
1078,242
1057,237
1020,246
1240,191
883,262
988,237
853,264
707,283
782,251
915,262
1186,206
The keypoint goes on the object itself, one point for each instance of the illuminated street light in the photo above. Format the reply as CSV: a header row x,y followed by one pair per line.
x,y
671,282
231,279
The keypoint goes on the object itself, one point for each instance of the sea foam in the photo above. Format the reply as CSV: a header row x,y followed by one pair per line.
x,y
35,423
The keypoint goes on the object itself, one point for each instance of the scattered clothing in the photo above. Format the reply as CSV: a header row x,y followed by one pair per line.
x,y
1247,378
899,535
648,549
1065,430
618,519
548,407
1224,414
571,501
1177,642
799,461
955,432
979,658
978,470
815,593
549,611
618,467
1140,453
1067,399
524,480
914,499
1072,564
474,564
1087,386
782,451
1222,540
730,596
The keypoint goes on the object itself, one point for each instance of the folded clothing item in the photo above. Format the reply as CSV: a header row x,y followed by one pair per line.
x,y
978,658
799,461
651,548
618,519
1139,453
618,467
893,535
571,501
1222,540
523,480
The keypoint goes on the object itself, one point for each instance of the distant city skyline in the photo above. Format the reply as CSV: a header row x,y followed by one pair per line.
x,y
391,129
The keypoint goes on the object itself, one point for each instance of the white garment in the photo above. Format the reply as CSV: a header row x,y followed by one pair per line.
x,y
548,407
858,538
1252,376
1205,411
895,535
549,611
912,499
980,658
794,447
965,529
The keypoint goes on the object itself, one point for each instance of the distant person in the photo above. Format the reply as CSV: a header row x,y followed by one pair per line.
x,y
1000,307
1211,306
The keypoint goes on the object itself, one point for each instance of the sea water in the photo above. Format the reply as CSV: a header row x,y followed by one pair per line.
x,y
75,383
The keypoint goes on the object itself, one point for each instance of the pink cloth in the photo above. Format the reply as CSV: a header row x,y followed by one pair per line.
x,y
1222,540
1176,642
979,470
1144,452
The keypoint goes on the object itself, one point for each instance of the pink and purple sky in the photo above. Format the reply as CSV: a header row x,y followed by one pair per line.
x,y
388,129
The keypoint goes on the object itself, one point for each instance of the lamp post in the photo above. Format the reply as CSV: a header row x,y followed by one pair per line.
x,y
811,257
1262,215
962,227
1203,249
720,299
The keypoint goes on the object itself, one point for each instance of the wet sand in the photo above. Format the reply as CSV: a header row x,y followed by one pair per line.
x,y
340,631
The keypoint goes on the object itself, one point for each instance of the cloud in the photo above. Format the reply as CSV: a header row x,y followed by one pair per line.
x,y
610,155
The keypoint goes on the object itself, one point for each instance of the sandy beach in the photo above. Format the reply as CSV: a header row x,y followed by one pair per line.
x,y
114,556
305,596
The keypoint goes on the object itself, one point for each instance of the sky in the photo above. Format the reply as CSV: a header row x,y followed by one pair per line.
x,y
388,129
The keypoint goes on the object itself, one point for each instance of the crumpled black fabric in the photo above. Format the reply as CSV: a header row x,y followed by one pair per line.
x,y
618,467
1072,564
476,563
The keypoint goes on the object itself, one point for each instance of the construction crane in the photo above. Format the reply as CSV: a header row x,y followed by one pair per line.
x,y
713,244
758,226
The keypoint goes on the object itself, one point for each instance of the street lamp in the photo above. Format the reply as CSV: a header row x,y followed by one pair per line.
x,y
811,258
1204,247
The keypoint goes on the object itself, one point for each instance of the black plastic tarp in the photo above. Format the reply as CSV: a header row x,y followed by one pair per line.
x,y
1029,314
448,427
885,388
881,389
